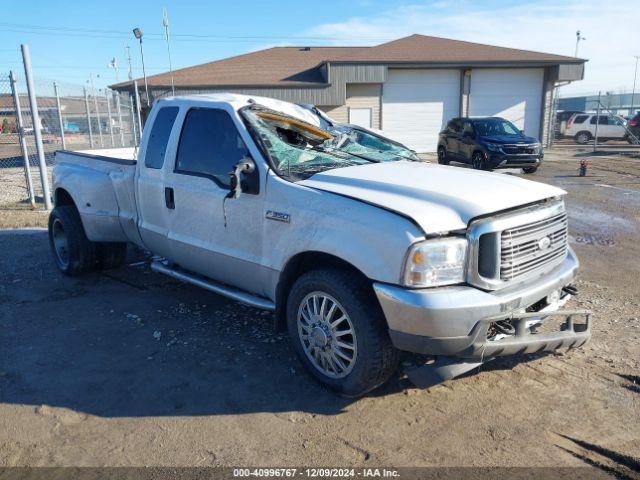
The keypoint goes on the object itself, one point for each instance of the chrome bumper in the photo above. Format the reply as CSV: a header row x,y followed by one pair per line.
x,y
449,320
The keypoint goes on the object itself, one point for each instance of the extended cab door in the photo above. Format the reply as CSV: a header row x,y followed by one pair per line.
x,y
153,218
209,233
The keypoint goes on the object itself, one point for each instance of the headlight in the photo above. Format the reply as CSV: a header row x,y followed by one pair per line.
x,y
494,147
435,262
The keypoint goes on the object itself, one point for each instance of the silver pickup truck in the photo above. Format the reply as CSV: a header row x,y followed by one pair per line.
x,y
360,248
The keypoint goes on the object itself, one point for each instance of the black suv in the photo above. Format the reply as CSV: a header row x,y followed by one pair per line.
x,y
488,143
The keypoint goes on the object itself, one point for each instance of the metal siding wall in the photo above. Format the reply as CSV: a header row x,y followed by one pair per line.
x,y
335,93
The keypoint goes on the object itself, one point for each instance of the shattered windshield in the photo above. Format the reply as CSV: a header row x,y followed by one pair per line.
x,y
298,149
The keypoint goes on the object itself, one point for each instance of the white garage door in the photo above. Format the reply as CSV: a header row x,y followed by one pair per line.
x,y
416,104
514,94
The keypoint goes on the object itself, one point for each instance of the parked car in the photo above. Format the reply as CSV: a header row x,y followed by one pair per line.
x,y
562,118
488,143
633,126
360,252
582,127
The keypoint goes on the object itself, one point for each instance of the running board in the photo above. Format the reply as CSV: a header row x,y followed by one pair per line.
x,y
202,282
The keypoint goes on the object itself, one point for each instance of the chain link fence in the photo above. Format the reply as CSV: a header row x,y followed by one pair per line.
x,y
595,122
72,117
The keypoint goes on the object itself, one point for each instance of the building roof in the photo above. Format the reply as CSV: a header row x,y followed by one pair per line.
x,y
299,66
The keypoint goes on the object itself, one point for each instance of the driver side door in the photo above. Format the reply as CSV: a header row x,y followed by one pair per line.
x,y
209,233
467,141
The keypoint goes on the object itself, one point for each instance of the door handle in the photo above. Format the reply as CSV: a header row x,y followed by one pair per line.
x,y
169,198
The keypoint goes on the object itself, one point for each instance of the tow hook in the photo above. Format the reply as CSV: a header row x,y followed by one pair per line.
x,y
570,289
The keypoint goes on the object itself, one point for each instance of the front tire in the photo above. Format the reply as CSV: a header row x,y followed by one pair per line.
x,y
339,332
73,252
478,161
442,156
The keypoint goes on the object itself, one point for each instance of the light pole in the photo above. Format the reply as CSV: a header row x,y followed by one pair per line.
x,y
633,92
165,24
138,34
128,51
578,39
114,64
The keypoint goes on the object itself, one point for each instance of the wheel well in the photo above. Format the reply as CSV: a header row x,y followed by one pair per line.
x,y
296,267
62,197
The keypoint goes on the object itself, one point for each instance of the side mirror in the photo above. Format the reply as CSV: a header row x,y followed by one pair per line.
x,y
244,166
522,132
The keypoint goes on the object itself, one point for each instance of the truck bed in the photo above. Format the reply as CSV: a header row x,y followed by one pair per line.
x,y
101,184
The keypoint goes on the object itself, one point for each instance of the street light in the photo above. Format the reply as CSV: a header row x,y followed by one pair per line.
x,y
114,64
578,39
138,34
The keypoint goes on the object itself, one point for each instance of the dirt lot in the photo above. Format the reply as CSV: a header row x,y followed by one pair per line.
x,y
131,368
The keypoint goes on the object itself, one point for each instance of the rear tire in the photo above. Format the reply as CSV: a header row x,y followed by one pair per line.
x,y
370,358
528,170
73,252
582,138
442,156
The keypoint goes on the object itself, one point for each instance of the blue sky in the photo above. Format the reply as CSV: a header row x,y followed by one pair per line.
x,y
71,39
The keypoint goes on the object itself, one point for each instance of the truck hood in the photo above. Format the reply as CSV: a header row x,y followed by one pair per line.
x,y
438,198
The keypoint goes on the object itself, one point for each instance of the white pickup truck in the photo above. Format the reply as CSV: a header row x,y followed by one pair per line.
x,y
360,248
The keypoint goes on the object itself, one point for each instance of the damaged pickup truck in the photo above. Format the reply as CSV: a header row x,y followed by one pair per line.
x,y
361,249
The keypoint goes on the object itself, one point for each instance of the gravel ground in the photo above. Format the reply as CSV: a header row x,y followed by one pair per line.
x,y
130,368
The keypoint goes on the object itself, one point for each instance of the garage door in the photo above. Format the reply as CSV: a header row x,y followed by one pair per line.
x,y
416,104
514,94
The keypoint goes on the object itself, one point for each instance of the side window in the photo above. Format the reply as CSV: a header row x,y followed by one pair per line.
x,y
580,119
210,145
467,127
159,137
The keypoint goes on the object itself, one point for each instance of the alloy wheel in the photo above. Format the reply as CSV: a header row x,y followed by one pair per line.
x,y
327,335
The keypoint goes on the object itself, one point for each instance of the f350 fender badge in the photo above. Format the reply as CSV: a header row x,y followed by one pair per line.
x,y
278,216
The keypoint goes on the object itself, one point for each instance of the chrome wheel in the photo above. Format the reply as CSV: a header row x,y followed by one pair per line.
x,y
327,335
60,243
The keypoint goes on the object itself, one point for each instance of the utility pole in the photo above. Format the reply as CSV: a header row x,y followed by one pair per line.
x,y
138,34
165,24
633,92
579,37
128,50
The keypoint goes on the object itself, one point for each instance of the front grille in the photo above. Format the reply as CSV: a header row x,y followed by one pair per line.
x,y
534,246
518,150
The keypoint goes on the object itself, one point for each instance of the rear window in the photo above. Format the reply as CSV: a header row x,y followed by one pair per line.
x,y
159,138
580,118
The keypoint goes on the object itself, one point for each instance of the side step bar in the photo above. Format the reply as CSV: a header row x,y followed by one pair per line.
x,y
202,282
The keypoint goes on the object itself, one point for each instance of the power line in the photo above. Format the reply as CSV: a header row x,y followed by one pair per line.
x,y
99,33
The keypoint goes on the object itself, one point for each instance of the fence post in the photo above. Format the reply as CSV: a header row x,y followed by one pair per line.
x,y
95,102
23,141
60,122
106,97
44,178
133,122
135,87
86,107
595,140
119,110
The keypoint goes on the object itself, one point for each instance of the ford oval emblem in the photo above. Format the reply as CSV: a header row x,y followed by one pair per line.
x,y
544,243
